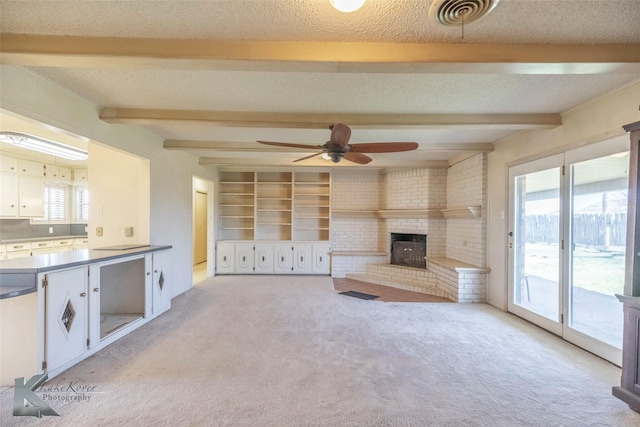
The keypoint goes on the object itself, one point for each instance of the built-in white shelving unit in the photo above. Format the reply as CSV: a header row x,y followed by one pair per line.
x,y
268,205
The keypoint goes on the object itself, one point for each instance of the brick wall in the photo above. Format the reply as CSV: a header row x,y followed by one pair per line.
x,y
466,186
461,185
417,189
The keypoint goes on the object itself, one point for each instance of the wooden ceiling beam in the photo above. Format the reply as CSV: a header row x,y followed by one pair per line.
x,y
324,120
344,57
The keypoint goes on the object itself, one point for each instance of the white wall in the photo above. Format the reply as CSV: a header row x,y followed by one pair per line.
x,y
171,171
592,122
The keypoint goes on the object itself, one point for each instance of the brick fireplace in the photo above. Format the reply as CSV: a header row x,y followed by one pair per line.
x,y
444,203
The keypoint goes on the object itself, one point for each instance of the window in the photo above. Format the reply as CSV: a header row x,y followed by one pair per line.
x,y
81,209
54,203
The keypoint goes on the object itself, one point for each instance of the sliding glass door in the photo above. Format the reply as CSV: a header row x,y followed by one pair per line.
x,y
535,242
596,251
567,241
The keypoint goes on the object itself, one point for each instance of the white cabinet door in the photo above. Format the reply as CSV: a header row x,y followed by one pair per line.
x,y
51,172
244,257
302,258
283,258
66,316
28,167
263,258
80,175
64,174
8,164
31,194
321,260
9,201
161,299
225,257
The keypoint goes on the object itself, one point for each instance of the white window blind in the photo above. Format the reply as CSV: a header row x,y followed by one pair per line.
x,y
82,204
54,203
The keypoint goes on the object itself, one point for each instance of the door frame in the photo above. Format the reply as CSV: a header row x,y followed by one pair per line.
x,y
204,185
514,171
566,159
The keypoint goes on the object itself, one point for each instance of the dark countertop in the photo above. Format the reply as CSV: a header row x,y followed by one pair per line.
x,y
18,276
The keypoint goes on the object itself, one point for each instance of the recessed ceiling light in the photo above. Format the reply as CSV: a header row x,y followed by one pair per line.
x,y
347,5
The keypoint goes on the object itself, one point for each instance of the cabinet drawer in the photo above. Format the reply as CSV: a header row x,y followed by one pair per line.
x,y
42,245
14,247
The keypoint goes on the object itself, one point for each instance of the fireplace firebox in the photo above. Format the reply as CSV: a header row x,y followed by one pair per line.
x,y
409,250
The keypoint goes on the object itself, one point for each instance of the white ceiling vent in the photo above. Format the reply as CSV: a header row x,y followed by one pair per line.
x,y
460,12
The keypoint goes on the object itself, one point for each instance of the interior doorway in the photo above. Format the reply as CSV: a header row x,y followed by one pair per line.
x,y
200,238
202,229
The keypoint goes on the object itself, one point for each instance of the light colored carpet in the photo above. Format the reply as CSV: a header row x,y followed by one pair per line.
x,y
291,351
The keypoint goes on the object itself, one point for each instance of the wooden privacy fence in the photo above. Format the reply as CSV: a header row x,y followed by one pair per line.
x,y
609,229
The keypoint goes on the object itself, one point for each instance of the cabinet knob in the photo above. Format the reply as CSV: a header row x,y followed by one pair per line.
x,y
13,206
155,271
96,289
24,206
84,294
148,273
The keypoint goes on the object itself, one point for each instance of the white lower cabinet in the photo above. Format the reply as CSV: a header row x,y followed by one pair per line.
x,y
263,260
321,259
86,308
66,324
160,263
302,258
281,257
225,257
244,257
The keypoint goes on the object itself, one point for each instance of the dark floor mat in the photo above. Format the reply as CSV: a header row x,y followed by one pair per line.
x,y
359,295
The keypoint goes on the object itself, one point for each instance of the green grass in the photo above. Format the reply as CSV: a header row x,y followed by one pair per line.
x,y
594,269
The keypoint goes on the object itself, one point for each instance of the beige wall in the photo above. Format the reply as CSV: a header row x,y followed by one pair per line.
x,y
592,122
117,179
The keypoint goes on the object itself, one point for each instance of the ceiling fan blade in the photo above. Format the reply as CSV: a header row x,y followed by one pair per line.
x,y
286,144
340,134
357,158
383,147
308,157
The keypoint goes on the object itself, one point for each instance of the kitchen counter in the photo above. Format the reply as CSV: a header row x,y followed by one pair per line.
x,y
18,276
42,239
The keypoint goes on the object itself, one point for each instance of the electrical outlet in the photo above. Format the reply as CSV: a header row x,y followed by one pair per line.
x,y
99,231
50,230
128,231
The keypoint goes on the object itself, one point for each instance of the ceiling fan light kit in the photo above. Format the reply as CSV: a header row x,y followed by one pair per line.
x,y
338,147
347,5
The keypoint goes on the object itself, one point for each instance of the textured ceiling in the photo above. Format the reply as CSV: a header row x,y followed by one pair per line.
x,y
458,89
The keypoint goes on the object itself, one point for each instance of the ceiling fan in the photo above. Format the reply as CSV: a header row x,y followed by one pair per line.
x,y
338,146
